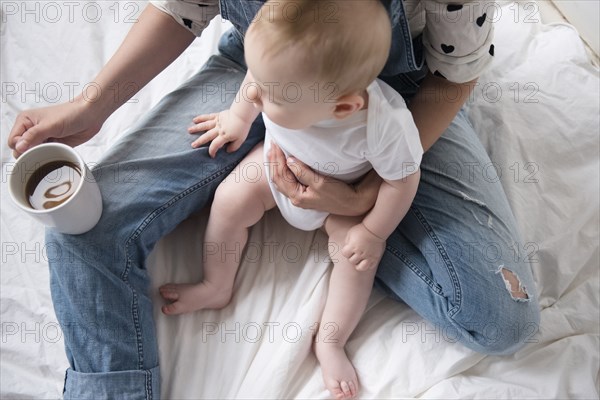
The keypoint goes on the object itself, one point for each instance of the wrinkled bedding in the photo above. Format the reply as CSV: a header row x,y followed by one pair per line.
x,y
536,111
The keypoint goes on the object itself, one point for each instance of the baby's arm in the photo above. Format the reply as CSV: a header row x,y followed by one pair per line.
x,y
229,126
365,242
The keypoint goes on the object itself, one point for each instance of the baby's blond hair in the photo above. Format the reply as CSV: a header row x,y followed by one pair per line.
x,y
330,37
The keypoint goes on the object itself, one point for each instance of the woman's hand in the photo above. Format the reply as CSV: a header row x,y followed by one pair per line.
x,y
70,123
309,189
153,42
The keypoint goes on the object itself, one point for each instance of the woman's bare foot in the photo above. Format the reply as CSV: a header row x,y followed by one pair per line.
x,y
338,373
192,297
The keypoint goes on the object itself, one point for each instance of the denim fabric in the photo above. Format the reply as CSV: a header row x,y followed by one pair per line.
x,y
445,260
151,180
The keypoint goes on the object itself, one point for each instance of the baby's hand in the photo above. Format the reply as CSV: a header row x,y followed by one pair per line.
x,y
363,248
221,128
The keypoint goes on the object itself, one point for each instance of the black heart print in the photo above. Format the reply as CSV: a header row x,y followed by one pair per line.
x,y
447,48
453,7
481,19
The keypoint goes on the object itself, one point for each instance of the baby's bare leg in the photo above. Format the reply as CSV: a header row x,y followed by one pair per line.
x,y
349,291
239,203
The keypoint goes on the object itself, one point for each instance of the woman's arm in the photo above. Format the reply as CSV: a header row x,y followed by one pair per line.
x,y
153,42
151,45
435,105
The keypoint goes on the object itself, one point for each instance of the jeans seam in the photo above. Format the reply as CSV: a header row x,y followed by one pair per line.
x,y
402,257
415,269
136,234
448,263
149,385
410,59
136,322
223,9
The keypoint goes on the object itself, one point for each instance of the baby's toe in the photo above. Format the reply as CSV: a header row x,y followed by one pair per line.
x,y
345,386
353,389
172,309
168,295
335,390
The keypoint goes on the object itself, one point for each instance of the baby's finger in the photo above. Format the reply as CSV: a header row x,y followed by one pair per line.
x,y
364,265
347,251
216,144
355,259
204,117
205,138
203,126
235,145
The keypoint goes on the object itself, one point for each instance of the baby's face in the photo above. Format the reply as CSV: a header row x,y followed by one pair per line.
x,y
287,99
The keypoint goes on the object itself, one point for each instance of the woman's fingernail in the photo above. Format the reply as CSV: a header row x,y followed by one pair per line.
x,y
291,160
21,145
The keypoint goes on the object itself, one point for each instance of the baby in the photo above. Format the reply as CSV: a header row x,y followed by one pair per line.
x,y
312,73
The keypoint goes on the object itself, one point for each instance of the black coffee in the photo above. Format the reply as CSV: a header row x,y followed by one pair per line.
x,y
52,184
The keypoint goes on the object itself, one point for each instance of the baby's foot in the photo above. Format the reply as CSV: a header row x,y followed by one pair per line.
x,y
191,297
338,373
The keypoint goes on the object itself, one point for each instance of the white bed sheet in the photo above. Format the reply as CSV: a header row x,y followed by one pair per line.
x,y
536,111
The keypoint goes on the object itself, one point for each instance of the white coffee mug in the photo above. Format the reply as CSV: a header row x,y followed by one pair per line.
x,y
79,208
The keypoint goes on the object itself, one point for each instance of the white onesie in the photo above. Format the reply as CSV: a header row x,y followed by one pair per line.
x,y
383,137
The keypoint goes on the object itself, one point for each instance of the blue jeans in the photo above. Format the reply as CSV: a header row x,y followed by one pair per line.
x,y
447,260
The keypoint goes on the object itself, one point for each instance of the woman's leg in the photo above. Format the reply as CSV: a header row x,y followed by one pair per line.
x,y
150,181
457,258
239,204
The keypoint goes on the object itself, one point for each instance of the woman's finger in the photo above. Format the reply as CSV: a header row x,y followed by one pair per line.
x,y
275,156
302,172
282,175
22,124
285,181
31,138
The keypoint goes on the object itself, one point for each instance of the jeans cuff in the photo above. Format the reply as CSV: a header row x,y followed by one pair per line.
x,y
125,385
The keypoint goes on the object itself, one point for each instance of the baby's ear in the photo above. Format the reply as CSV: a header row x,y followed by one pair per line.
x,y
348,105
